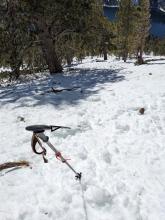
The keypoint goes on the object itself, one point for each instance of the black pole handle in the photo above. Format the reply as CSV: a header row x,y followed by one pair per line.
x,y
42,128
54,127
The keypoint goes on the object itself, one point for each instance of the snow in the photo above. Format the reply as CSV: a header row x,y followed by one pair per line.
x,y
120,153
2,69
162,9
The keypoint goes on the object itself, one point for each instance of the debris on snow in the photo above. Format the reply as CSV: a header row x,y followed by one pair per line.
x,y
141,111
14,164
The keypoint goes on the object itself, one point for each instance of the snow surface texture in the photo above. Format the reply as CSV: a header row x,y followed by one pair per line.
x,y
120,153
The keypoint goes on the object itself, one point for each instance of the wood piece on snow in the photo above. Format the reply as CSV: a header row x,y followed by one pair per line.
x,y
14,164
141,111
54,90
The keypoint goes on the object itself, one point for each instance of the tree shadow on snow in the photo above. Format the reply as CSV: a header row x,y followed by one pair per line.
x,y
34,93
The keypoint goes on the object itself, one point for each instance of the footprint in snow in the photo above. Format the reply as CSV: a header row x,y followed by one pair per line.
x,y
162,95
107,157
122,128
83,154
98,196
126,202
95,99
84,126
118,114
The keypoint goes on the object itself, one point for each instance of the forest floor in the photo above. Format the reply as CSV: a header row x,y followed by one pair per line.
x,y
120,152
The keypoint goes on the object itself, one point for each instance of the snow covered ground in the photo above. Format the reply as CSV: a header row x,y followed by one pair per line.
x,y
120,153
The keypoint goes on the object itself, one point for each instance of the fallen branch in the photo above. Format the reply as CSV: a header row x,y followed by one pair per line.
x,y
60,90
14,164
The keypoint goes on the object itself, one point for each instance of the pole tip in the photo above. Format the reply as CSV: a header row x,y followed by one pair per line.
x,y
78,176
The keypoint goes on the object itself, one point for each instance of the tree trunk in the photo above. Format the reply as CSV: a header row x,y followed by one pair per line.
x,y
49,53
69,60
15,73
125,55
105,54
47,45
140,57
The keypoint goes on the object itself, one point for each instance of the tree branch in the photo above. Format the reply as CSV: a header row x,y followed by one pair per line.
x,y
14,164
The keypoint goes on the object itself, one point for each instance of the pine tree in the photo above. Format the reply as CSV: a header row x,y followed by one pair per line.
x,y
61,29
133,28
106,38
15,39
142,28
56,25
125,28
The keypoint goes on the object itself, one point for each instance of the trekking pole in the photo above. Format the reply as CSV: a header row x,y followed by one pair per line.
x,y
38,133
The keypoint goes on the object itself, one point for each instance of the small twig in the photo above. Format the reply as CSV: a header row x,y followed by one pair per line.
x,y
14,164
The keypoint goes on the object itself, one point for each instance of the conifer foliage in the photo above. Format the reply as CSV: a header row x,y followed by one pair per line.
x,y
142,28
57,28
125,29
45,34
133,28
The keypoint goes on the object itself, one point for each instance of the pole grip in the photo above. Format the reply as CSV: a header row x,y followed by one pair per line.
x,y
43,137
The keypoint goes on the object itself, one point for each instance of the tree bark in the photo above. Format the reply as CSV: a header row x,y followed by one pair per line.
x,y
140,57
124,57
105,54
69,60
15,73
49,53
47,45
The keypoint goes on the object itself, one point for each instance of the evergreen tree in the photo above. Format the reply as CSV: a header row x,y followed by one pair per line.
x,y
125,28
61,19
133,28
15,39
155,45
84,40
142,28
54,25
